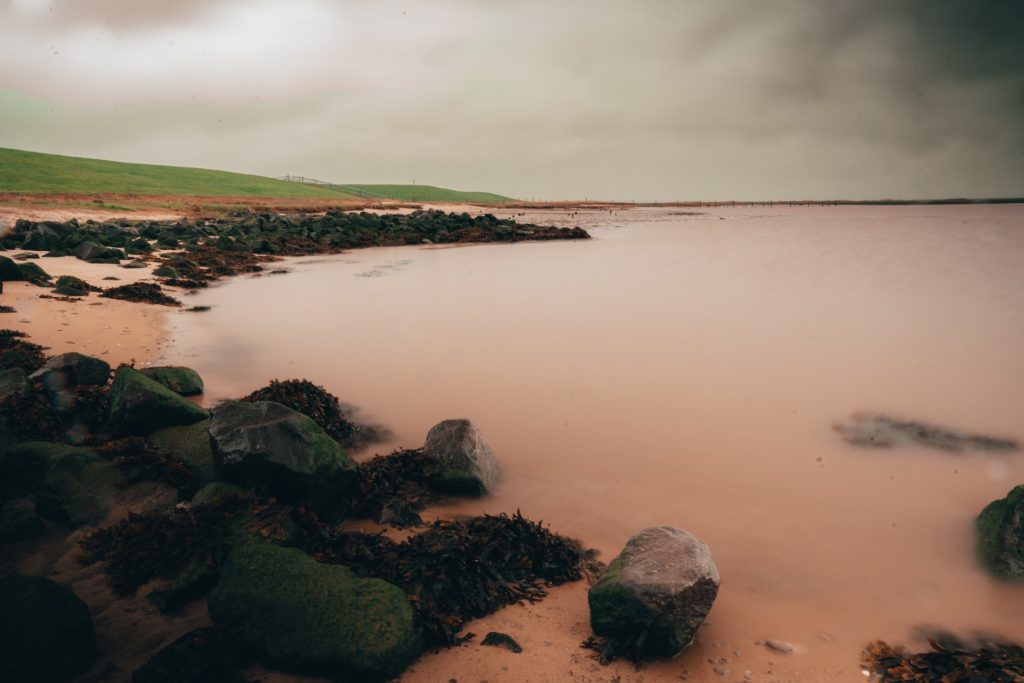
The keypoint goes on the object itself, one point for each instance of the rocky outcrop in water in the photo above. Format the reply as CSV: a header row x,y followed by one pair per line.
x,y
466,464
883,431
651,599
1000,529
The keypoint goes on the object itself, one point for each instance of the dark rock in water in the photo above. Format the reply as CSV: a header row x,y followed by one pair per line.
x,y
882,431
286,452
307,617
180,380
497,639
1000,529
205,655
46,631
192,444
467,465
140,405
72,369
652,597
79,487
19,521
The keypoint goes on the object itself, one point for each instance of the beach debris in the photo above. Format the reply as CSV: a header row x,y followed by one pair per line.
x,y
180,380
302,615
466,464
653,597
145,292
498,639
46,631
883,431
1000,534
206,654
950,661
140,405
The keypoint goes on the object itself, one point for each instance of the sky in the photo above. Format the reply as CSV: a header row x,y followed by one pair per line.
x,y
594,99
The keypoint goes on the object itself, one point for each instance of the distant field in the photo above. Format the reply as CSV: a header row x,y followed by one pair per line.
x,y
427,193
22,171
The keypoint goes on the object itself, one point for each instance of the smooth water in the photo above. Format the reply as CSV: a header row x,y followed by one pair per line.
x,y
687,370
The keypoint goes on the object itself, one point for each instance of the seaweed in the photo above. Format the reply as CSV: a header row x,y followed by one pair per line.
x,y
948,661
16,353
145,292
31,416
7,309
75,283
394,488
461,570
139,461
313,401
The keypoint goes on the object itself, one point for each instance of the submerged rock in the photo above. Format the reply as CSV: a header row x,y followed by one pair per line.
x,y
883,431
1000,529
140,405
656,593
283,450
72,369
308,617
467,465
192,444
180,380
46,631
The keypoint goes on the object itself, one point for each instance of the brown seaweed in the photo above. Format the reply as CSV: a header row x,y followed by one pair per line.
x,y
146,292
949,661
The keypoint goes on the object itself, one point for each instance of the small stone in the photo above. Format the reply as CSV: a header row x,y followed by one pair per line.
x,y
497,639
780,646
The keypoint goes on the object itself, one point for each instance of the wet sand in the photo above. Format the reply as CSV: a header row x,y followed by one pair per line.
x,y
687,370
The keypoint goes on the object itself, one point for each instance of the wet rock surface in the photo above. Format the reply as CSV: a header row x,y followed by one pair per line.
x,y
466,464
1000,533
140,405
652,598
883,431
72,369
180,380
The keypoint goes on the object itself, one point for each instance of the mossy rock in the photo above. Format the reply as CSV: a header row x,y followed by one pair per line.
x,y
180,380
79,487
140,405
1000,529
166,271
33,272
9,270
23,467
216,491
307,617
46,631
68,291
19,521
191,443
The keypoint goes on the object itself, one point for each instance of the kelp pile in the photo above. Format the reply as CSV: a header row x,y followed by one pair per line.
x,y
458,571
394,489
313,401
948,661
15,352
138,461
147,292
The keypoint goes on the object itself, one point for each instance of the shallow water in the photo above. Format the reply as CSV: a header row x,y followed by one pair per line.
x,y
687,370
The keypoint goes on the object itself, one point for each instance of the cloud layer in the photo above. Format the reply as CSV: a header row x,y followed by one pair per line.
x,y
644,100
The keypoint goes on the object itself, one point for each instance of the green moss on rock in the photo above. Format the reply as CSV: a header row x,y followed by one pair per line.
x,y
1000,529
79,487
180,380
140,405
191,443
307,617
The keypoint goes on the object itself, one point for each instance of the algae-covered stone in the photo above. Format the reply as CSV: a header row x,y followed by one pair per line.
x,y
45,631
285,451
19,521
216,491
467,465
33,272
656,593
308,617
140,405
79,486
180,380
1000,528
191,443
165,271
73,369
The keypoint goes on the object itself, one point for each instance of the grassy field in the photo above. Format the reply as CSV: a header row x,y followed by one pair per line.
x,y
22,171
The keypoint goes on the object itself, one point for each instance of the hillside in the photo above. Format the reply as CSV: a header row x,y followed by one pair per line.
x,y
426,193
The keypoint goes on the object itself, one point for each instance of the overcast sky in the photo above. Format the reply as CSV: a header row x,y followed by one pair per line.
x,y
644,100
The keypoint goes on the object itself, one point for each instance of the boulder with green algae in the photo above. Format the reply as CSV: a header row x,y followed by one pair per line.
x,y
191,443
308,617
140,405
1000,528
32,272
467,465
46,631
79,487
73,369
180,380
284,451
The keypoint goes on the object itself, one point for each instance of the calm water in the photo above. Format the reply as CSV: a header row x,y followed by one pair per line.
x,y
687,370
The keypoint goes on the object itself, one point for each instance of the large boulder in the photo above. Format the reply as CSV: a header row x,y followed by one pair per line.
x,y
286,452
308,617
72,369
656,593
9,270
466,463
140,405
46,631
192,444
79,488
180,380
97,253
1000,528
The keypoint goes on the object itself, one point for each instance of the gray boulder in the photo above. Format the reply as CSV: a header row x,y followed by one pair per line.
x,y
1000,529
467,465
656,593
284,451
46,631
140,405
180,380
72,369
